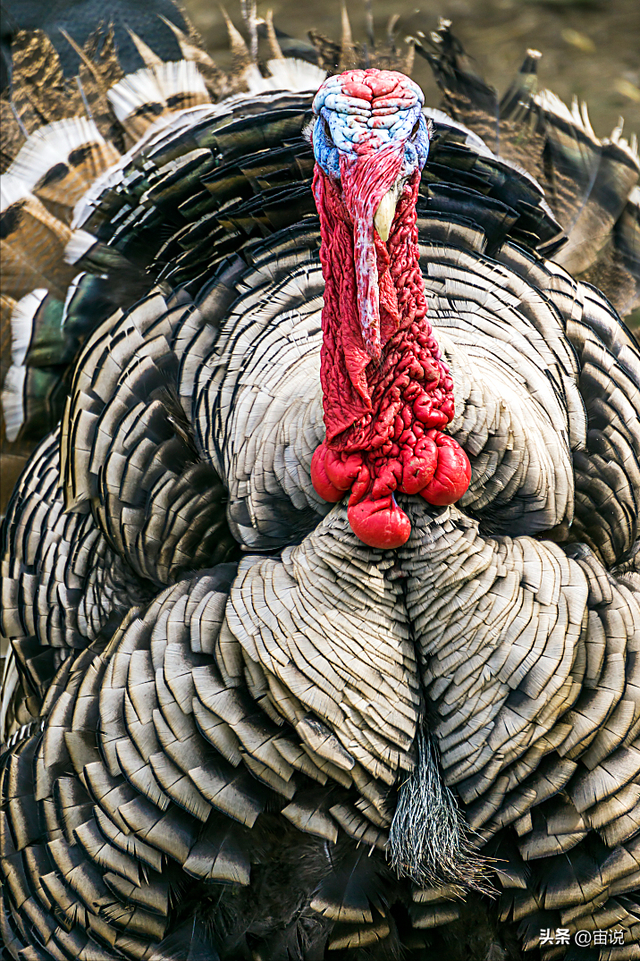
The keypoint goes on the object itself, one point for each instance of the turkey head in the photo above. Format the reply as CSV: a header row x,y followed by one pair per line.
x,y
387,394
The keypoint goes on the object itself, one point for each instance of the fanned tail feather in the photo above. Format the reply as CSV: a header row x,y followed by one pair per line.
x,y
588,183
139,99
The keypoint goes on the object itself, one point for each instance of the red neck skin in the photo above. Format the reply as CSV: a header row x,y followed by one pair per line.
x,y
387,394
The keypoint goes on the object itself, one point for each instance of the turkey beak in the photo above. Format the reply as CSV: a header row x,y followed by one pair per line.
x,y
383,218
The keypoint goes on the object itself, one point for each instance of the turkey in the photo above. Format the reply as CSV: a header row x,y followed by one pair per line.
x,y
322,585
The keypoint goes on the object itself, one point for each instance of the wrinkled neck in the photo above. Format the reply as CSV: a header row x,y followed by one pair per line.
x,y
353,361
385,410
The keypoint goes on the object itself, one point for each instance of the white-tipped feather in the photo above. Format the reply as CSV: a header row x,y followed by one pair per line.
x,y
629,147
52,145
553,104
181,77
22,324
10,680
549,101
13,401
71,292
287,73
133,91
616,133
79,244
12,191
583,112
156,85
290,73
254,80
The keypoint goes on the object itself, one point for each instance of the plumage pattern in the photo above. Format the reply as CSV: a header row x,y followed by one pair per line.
x,y
233,729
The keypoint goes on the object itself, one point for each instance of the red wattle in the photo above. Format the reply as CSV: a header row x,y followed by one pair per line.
x,y
419,465
321,483
342,469
387,391
452,476
427,414
380,523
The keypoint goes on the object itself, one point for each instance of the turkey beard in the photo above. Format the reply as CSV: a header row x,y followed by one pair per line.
x,y
428,838
387,393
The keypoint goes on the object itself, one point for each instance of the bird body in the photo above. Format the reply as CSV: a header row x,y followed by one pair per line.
x,y
250,719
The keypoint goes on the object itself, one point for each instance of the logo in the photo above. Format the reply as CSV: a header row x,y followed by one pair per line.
x,y
583,939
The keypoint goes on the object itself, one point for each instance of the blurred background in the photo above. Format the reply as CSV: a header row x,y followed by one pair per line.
x,y
591,48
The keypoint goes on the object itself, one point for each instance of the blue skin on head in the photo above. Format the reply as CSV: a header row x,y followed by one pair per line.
x,y
347,125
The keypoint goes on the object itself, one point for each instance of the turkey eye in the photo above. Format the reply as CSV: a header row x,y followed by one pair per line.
x,y
416,128
327,132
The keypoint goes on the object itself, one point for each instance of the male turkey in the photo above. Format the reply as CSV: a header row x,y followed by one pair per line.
x,y
324,595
